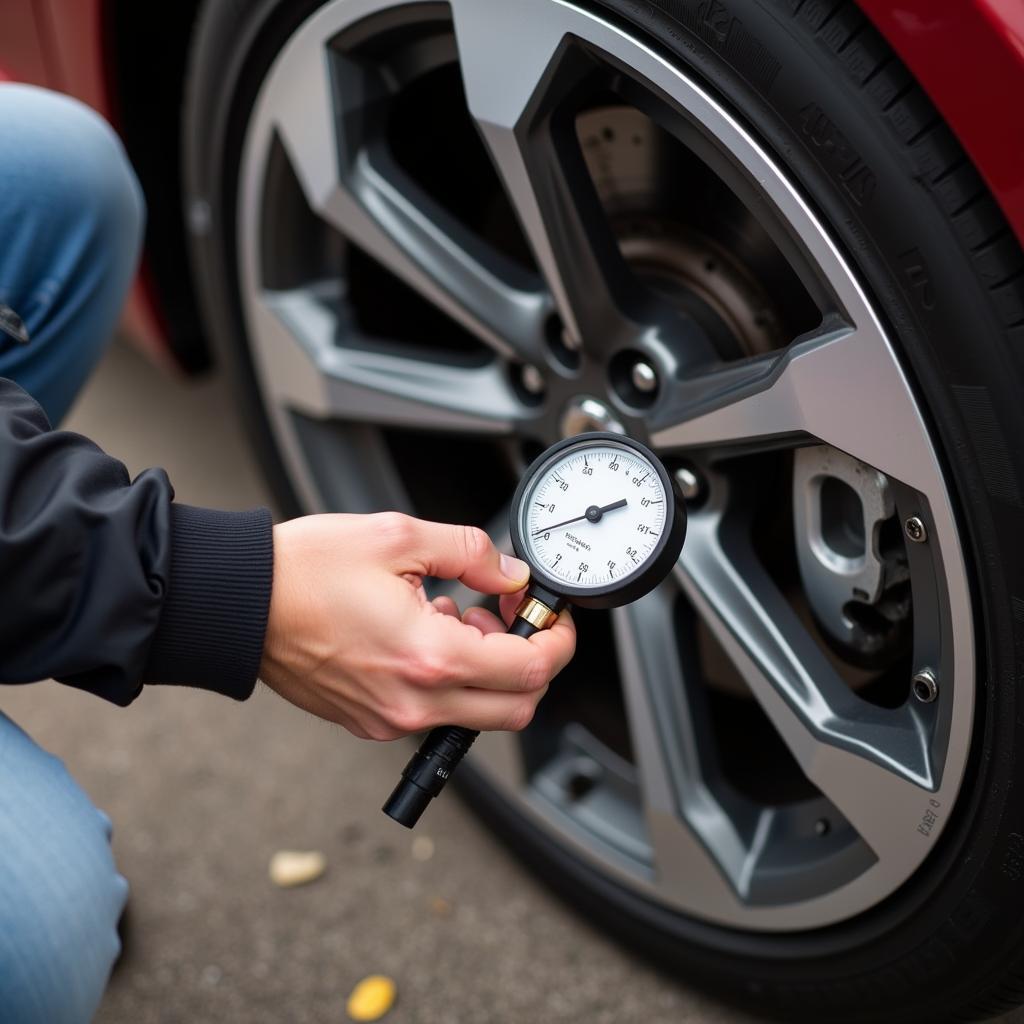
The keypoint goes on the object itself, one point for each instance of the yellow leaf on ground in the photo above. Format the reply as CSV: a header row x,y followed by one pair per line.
x,y
371,998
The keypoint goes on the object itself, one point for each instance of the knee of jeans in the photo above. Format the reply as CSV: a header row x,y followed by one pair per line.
x,y
77,162
106,190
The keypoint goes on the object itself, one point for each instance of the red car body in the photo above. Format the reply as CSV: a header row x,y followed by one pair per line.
x,y
967,54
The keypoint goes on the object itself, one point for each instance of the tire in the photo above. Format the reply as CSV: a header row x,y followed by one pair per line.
x,y
823,91
204,154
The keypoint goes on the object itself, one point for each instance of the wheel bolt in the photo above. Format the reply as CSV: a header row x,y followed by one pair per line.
x,y
915,530
533,381
644,378
925,686
689,483
562,343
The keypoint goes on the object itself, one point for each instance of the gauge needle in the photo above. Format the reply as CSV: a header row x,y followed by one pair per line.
x,y
594,514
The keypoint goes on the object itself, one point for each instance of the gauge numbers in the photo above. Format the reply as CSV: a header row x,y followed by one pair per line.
x,y
594,515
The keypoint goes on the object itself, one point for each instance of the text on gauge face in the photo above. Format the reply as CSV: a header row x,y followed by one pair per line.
x,y
594,516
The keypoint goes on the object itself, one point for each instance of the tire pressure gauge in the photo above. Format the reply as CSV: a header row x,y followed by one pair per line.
x,y
600,523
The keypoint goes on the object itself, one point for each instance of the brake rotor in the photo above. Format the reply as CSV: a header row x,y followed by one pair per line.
x,y
627,160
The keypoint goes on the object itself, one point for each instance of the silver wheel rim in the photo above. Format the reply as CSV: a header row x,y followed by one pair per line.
x,y
891,776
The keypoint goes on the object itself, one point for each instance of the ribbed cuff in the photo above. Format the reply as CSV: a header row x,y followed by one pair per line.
x,y
215,613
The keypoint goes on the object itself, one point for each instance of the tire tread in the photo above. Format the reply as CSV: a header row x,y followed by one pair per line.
x,y
943,165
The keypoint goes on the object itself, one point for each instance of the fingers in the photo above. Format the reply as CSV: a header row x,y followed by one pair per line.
x,y
557,642
451,552
469,673
486,622
482,619
479,653
446,606
543,656
509,603
470,708
489,711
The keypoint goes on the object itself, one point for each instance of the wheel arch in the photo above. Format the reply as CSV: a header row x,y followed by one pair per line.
x,y
980,109
145,61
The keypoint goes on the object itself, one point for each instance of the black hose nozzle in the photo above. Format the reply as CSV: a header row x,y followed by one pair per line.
x,y
427,772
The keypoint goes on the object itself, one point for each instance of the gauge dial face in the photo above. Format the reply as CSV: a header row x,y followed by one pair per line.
x,y
593,515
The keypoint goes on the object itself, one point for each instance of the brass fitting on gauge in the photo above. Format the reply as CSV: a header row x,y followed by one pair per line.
x,y
536,613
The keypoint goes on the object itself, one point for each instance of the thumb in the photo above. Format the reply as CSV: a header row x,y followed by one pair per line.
x,y
466,553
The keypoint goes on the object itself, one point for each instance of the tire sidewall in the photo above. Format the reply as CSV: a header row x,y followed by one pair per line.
x,y
233,46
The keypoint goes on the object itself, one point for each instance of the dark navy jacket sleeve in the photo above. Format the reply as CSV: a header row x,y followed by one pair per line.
x,y
106,584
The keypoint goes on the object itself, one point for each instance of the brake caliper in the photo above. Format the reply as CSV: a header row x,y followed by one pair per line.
x,y
851,555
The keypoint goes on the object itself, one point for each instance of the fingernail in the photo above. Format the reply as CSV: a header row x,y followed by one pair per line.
x,y
515,569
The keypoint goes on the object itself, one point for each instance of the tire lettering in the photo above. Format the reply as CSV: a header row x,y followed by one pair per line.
x,y
856,178
915,270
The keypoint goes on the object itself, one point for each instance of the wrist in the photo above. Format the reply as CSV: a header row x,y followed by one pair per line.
x,y
284,640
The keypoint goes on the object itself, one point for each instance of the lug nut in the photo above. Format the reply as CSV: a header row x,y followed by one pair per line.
x,y
645,380
689,483
562,343
915,530
533,381
925,686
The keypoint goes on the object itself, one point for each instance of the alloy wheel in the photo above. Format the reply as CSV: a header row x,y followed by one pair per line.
x,y
468,230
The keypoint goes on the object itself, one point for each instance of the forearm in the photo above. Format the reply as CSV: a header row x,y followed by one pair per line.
x,y
105,585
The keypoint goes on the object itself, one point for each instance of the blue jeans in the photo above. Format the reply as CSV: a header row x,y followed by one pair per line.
x,y
71,215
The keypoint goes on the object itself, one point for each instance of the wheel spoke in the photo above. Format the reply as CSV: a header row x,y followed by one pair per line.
x,y
852,751
320,105
841,385
310,372
507,54
694,840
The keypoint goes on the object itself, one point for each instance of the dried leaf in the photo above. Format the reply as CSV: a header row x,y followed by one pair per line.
x,y
371,998
422,848
296,867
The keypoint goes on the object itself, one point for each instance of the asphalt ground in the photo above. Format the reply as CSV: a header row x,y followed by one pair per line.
x,y
203,791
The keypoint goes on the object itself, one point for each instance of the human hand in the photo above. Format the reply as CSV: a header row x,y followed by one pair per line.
x,y
352,638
